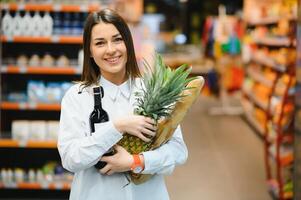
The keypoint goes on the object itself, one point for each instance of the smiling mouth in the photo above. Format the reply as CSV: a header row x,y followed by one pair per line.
x,y
113,60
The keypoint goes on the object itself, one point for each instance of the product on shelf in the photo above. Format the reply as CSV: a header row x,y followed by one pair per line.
x,y
38,130
22,60
20,130
50,176
62,61
34,60
47,25
36,91
6,26
47,60
51,92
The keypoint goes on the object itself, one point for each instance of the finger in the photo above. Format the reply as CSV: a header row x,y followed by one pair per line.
x,y
110,172
150,120
150,127
105,158
142,137
118,148
148,132
105,169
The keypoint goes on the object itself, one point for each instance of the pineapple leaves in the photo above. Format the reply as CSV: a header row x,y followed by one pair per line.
x,y
162,88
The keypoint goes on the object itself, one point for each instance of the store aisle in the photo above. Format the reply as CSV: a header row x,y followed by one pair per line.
x,y
225,159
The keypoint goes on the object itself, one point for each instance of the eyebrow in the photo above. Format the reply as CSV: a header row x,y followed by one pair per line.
x,y
114,36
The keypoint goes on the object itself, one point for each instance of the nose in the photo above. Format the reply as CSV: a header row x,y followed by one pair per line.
x,y
111,48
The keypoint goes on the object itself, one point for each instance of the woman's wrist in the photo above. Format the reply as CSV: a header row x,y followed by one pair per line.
x,y
119,126
142,160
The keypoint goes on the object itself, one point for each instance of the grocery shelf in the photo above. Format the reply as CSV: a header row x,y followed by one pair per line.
x,y
286,158
50,7
10,143
274,41
252,121
36,186
285,138
40,39
268,62
269,20
277,120
5,105
12,69
254,99
273,187
259,77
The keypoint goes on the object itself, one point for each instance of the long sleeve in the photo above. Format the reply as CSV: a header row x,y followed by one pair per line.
x,y
164,159
78,149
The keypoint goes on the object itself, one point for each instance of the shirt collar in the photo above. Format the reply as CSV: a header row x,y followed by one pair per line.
x,y
114,90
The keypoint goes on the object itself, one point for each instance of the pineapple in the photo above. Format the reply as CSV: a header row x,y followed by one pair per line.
x,y
167,126
162,88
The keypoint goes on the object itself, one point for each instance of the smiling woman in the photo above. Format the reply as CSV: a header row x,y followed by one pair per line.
x,y
109,52
102,47
111,77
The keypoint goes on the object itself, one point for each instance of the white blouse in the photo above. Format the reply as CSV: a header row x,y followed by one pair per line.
x,y
80,151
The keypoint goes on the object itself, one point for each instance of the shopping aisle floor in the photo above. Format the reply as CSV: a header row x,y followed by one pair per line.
x,y
225,159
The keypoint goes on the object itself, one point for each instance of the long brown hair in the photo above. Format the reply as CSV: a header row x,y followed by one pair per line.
x,y
91,72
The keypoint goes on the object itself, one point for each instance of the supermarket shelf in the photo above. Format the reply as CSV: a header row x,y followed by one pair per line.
x,y
270,20
9,143
11,69
50,7
259,77
53,39
286,158
36,186
274,41
5,105
273,187
252,121
253,98
268,62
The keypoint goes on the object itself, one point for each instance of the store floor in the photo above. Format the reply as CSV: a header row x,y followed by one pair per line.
x,y
225,159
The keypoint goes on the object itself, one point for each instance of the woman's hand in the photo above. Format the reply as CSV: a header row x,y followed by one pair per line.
x,y
121,161
137,125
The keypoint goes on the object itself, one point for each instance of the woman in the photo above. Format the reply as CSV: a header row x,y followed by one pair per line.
x,y
109,61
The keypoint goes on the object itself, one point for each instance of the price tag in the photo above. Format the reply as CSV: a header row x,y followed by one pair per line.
x,y
22,105
55,39
57,7
22,143
21,6
32,105
10,38
44,185
83,8
23,69
58,185
3,68
13,185
78,70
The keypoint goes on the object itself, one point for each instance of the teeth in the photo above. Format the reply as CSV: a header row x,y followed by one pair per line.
x,y
112,59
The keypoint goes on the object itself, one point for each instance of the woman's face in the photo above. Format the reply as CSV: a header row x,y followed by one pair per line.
x,y
109,52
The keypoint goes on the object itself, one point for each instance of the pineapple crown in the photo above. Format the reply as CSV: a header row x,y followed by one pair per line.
x,y
162,88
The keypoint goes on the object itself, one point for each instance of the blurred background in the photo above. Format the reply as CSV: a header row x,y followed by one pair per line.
x,y
243,133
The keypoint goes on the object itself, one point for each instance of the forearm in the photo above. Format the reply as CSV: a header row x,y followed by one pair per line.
x,y
81,153
164,159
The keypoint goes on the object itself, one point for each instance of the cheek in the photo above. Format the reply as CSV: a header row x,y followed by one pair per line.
x,y
96,53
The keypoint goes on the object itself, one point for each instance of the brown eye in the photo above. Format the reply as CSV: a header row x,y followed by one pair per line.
x,y
100,43
119,39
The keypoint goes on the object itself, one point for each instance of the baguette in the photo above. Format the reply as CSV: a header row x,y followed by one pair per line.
x,y
167,127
